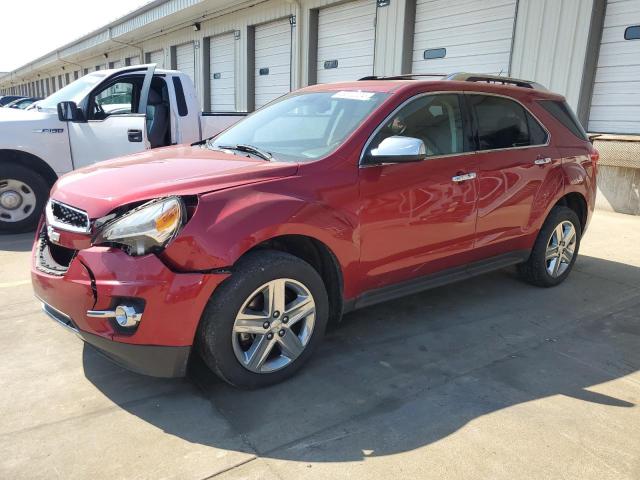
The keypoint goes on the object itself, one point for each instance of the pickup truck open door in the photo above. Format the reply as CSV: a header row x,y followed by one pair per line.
x,y
115,119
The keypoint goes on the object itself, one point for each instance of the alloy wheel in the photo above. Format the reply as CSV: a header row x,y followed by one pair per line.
x,y
274,325
561,248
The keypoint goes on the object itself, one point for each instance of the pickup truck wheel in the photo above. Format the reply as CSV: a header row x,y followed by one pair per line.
x,y
263,323
555,250
23,194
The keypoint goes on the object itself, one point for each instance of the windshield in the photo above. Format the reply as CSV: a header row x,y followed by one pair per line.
x,y
304,126
74,92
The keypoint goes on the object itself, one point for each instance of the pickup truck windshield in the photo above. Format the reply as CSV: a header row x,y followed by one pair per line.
x,y
304,126
74,92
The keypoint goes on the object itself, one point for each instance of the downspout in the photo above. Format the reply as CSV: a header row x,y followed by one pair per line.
x,y
298,28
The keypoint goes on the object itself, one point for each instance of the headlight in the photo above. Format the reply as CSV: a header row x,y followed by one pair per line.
x,y
147,228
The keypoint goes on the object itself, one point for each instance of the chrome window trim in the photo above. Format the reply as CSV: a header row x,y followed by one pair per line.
x,y
361,163
52,221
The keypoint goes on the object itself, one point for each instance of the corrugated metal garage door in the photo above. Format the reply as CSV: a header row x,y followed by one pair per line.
x,y
476,36
222,68
185,60
615,105
272,61
156,57
346,41
115,64
132,61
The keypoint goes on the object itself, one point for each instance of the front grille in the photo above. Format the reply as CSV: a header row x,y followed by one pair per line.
x,y
68,218
51,258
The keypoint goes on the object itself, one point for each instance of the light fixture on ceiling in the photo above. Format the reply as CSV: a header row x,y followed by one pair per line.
x,y
196,27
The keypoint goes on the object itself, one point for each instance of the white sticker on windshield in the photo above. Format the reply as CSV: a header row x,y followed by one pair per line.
x,y
351,95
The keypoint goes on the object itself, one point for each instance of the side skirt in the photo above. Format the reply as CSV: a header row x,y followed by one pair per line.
x,y
438,279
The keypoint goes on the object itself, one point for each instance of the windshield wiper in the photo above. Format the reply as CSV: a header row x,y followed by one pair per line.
x,y
248,149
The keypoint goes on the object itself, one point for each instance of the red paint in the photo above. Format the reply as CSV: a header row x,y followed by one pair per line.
x,y
384,224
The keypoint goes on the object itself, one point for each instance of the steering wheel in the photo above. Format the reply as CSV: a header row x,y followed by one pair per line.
x,y
98,111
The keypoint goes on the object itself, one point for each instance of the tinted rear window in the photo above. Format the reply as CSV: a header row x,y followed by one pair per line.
x,y
504,123
563,113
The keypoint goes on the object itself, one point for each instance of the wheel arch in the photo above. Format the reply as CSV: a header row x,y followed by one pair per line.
x,y
320,257
578,203
31,161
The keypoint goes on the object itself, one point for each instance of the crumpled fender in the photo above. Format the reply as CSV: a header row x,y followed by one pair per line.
x,y
229,223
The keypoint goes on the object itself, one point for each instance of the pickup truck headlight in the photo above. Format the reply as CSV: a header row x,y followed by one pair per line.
x,y
145,229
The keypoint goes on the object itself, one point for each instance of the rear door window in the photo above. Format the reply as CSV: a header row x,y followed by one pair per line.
x,y
504,123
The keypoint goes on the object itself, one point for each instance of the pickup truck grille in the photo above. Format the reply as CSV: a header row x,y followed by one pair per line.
x,y
67,218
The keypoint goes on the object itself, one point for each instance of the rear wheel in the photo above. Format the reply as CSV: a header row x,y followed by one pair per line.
x,y
555,250
23,194
262,324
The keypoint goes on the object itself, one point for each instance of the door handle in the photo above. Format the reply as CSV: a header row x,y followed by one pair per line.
x,y
463,177
134,135
542,161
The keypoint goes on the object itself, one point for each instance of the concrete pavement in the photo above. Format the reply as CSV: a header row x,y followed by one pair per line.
x,y
488,378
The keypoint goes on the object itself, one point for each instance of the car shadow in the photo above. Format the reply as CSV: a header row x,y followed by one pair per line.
x,y
21,242
400,375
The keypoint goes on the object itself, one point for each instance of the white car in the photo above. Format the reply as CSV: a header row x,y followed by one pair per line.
x,y
102,115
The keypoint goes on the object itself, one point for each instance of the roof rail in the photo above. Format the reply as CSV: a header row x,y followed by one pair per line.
x,y
465,77
475,77
404,76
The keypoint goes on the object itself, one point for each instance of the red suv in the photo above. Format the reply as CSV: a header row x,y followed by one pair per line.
x,y
331,198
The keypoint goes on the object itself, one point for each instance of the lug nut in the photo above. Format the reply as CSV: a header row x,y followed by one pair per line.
x,y
269,336
281,333
266,325
276,314
285,319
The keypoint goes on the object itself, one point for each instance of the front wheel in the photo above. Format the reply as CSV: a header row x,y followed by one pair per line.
x,y
555,250
263,323
23,195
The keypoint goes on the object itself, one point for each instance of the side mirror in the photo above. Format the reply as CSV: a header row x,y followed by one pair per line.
x,y
69,112
399,149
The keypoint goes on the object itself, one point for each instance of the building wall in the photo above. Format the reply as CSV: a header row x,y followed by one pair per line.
x,y
550,44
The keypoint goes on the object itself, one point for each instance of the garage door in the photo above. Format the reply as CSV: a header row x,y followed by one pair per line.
x,y
615,105
185,59
272,61
156,57
116,64
346,41
132,61
222,73
466,36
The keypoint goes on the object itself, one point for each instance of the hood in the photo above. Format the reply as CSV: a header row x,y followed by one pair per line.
x,y
181,170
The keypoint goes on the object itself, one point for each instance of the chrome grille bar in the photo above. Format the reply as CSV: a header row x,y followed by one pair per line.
x,y
66,217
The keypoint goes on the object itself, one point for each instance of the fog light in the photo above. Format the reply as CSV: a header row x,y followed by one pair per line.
x,y
125,315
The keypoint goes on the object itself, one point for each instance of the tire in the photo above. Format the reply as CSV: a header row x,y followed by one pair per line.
x,y
542,272
32,192
224,350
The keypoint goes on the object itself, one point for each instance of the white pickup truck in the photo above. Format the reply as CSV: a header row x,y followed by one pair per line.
x,y
102,115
